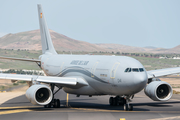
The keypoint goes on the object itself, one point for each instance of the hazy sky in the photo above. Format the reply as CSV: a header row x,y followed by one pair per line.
x,y
128,22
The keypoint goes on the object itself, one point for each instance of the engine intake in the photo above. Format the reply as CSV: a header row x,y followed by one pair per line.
x,y
39,94
158,91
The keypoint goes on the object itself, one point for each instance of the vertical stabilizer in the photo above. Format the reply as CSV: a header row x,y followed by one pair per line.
x,y
47,45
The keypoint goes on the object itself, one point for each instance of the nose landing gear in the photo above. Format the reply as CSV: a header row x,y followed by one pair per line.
x,y
121,101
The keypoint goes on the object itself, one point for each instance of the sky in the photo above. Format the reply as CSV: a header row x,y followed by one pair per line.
x,y
137,23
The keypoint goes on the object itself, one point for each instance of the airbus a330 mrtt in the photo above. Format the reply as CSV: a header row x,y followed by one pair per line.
x,y
118,76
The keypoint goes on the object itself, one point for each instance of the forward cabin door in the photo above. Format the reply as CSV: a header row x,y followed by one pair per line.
x,y
113,73
113,70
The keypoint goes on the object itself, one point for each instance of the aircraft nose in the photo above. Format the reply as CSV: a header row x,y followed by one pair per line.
x,y
140,80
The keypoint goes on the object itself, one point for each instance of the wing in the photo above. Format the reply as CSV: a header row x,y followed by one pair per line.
x,y
21,59
162,72
62,81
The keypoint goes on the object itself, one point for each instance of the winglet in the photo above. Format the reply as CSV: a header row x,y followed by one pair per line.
x,y
47,45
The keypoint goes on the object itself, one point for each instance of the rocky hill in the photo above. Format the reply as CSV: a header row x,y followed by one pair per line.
x,y
32,40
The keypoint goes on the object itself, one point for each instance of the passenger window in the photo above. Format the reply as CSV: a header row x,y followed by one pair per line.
x,y
126,70
135,69
141,69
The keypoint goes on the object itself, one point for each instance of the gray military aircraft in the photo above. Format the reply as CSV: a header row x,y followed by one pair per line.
x,y
90,75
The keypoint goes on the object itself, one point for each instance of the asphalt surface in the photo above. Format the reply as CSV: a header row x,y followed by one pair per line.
x,y
91,108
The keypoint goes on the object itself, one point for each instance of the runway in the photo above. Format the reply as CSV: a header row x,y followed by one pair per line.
x,y
91,108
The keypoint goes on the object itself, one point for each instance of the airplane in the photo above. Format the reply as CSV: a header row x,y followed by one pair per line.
x,y
91,75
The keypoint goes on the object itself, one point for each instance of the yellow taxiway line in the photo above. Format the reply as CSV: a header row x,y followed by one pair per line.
x,y
18,107
67,99
14,111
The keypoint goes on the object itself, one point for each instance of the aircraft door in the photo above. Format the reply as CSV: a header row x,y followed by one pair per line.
x,y
113,70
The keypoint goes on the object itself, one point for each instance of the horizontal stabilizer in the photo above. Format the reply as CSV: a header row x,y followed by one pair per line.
x,y
20,59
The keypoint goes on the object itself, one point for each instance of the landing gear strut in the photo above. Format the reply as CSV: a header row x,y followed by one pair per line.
x,y
55,102
121,101
127,106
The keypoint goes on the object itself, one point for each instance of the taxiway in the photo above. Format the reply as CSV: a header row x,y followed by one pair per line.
x,y
91,108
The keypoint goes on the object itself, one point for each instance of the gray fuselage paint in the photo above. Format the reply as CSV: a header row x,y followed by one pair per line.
x,y
104,74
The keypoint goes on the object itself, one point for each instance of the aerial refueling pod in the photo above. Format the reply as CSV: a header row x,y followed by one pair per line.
x,y
39,94
158,91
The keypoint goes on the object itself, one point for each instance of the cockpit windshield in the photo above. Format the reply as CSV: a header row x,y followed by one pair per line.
x,y
141,69
126,70
134,70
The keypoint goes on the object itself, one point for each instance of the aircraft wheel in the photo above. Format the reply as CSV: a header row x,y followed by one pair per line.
x,y
114,102
58,103
121,101
55,103
126,107
117,101
130,107
124,101
111,101
45,106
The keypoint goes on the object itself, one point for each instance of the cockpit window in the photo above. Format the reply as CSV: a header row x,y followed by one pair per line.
x,y
135,69
126,70
141,69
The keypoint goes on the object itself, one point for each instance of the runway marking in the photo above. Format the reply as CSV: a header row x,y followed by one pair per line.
x,y
167,118
14,111
67,99
3,108
98,110
122,119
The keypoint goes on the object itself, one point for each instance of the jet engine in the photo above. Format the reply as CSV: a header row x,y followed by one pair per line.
x,y
39,94
158,91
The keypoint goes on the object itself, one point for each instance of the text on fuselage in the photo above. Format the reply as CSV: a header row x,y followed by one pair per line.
x,y
79,62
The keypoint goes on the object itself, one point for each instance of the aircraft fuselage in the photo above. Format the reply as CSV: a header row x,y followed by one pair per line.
x,y
105,75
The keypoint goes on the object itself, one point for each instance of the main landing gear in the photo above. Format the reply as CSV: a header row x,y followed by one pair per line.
x,y
55,102
121,101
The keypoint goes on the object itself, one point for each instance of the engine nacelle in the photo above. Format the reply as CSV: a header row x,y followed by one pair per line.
x,y
39,94
159,91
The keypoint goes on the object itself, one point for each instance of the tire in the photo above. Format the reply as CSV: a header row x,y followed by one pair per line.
x,y
49,105
55,103
126,108
111,101
124,101
58,103
114,102
130,107
117,101
45,106
121,101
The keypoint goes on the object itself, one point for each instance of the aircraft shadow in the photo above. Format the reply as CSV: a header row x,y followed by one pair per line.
x,y
157,104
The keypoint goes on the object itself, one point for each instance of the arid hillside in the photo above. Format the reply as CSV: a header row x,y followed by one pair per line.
x,y
32,40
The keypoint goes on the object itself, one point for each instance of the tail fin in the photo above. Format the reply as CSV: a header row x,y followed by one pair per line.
x,y
47,45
